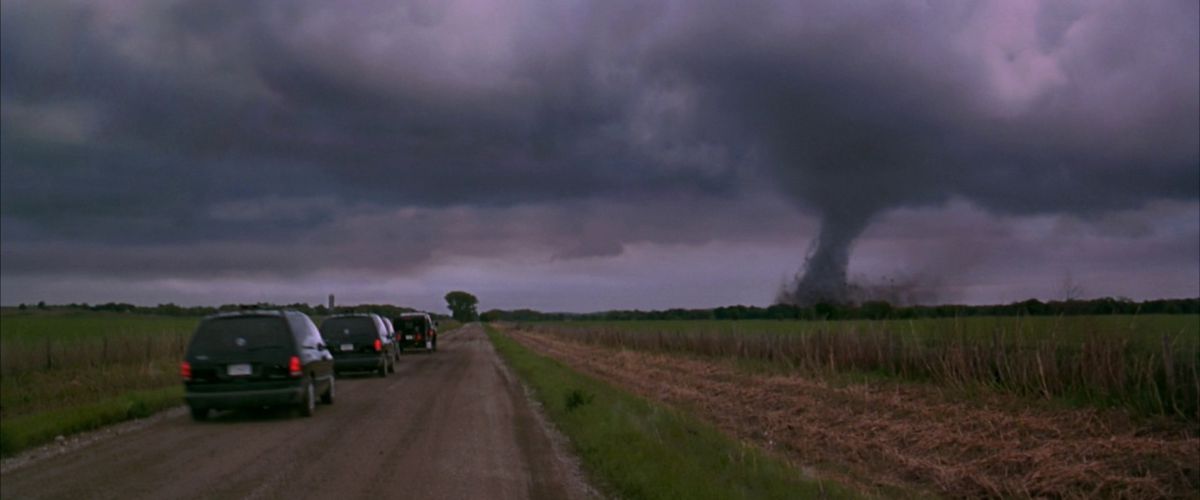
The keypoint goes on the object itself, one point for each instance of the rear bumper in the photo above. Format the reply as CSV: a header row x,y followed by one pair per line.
x,y
245,399
412,344
357,363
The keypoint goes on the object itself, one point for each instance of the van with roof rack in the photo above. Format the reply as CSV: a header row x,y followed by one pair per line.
x,y
416,331
254,359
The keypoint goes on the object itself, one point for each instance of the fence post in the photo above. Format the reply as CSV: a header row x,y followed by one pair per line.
x,y
1169,367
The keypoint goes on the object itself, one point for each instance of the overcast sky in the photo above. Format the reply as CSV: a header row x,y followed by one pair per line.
x,y
581,156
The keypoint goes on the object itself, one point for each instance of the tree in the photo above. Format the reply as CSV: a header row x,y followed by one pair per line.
x,y
876,309
462,305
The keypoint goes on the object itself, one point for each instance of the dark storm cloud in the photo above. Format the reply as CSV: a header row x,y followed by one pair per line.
x,y
860,110
192,104
363,240
188,136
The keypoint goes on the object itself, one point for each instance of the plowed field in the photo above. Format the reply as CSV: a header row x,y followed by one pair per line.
x,y
886,437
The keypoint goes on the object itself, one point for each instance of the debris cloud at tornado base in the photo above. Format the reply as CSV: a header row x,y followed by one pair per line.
x,y
823,277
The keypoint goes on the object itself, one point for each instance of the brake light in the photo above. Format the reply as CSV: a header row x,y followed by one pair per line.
x,y
378,345
294,366
185,371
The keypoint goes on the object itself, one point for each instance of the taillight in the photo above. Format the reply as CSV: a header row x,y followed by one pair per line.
x,y
185,371
294,366
378,345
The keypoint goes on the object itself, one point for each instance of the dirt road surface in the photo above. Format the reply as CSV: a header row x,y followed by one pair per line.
x,y
454,424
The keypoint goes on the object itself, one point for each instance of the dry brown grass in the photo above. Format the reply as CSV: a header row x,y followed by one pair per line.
x,y
888,436
1161,377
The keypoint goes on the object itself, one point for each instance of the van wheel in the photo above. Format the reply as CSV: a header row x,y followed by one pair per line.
x,y
199,414
309,405
327,398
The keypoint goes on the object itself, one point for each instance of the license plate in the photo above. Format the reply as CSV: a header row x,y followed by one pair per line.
x,y
408,337
347,347
238,370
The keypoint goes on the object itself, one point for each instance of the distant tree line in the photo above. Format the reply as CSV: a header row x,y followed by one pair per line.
x,y
865,310
870,310
171,309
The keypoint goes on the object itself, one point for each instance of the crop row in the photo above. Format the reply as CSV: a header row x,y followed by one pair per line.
x,y
1149,374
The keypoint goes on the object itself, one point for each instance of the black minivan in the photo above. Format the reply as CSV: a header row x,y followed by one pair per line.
x,y
359,342
254,359
416,331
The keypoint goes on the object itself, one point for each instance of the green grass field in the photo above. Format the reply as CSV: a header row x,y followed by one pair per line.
x,y
636,449
37,342
32,326
1148,364
67,372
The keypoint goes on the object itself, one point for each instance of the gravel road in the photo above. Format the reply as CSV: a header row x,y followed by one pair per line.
x,y
454,424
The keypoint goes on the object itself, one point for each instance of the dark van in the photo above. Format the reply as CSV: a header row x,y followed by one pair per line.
x,y
359,342
416,331
256,359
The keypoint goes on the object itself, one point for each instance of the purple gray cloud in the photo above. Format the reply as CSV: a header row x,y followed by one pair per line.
x,y
153,151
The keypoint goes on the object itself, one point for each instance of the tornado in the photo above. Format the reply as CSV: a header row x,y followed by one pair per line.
x,y
823,277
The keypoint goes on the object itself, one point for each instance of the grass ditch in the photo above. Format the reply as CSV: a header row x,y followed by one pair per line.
x,y
68,373
29,430
42,391
636,449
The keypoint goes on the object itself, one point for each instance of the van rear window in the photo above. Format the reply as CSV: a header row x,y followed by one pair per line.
x,y
241,334
356,328
410,325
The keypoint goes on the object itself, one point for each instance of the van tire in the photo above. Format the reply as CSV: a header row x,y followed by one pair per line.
x,y
199,414
308,405
327,398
